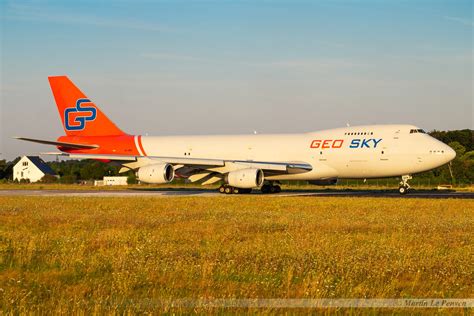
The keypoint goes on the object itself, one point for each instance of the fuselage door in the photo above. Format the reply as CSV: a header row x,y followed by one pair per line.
x,y
384,153
390,149
396,135
322,155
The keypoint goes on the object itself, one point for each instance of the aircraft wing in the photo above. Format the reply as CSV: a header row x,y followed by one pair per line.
x,y
186,167
130,158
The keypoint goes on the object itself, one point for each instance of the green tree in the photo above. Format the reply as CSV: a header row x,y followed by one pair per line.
x,y
47,178
462,141
68,179
6,172
96,170
3,169
458,148
132,178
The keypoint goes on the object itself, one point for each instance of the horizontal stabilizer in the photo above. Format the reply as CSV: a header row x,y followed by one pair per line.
x,y
92,156
61,144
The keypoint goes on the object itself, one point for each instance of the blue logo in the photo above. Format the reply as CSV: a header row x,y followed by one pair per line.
x,y
84,113
365,143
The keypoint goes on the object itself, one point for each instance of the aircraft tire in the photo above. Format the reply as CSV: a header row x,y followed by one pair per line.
x,y
266,189
403,190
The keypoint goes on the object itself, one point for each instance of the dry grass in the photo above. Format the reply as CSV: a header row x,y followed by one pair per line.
x,y
87,187
288,187
120,254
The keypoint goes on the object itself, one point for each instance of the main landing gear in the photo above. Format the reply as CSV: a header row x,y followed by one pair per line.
x,y
227,189
404,186
270,188
266,189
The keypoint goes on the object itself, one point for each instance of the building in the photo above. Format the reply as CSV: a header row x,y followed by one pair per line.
x,y
111,181
31,168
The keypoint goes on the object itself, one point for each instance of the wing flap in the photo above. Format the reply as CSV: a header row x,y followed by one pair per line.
x,y
170,160
198,176
283,167
212,180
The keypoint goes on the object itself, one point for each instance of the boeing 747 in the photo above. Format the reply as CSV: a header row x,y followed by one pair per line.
x,y
245,162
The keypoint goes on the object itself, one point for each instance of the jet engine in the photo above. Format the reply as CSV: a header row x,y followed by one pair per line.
x,y
245,178
156,174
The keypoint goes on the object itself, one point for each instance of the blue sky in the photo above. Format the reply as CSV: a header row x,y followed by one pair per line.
x,y
224,67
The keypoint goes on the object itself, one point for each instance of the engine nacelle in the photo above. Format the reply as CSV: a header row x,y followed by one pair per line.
x,y
156,174
245,178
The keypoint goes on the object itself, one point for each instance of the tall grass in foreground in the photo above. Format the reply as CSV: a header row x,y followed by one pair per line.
x,y
122,254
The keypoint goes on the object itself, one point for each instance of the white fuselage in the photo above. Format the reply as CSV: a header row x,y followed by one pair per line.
x,y
372,151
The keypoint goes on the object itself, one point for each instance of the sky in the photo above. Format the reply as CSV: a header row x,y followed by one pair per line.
x,y
235,67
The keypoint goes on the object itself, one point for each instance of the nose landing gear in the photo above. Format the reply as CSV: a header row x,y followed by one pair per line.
x,y
404,186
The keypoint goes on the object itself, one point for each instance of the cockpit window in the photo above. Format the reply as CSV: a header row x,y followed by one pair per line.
x,y
413,131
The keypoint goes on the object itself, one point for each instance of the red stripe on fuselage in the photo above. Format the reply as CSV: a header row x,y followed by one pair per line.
x,y
141,145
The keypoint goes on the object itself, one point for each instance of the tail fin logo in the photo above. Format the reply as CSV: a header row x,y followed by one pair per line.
x,y
76,118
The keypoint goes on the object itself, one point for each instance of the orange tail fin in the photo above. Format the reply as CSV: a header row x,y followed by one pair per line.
x,y
79,115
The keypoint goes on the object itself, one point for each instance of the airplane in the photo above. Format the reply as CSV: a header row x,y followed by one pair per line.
x,y
245,162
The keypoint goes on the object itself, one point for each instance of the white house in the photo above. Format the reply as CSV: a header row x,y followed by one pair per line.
x,y
32,168
111,181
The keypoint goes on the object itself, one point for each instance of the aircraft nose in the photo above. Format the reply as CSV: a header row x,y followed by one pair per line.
x,y
441,152
450,153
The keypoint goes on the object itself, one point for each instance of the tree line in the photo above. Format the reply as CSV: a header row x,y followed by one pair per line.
x,y
70,171
459,171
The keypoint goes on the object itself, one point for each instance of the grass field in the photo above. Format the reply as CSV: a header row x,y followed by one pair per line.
x,y
119,254
291,186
